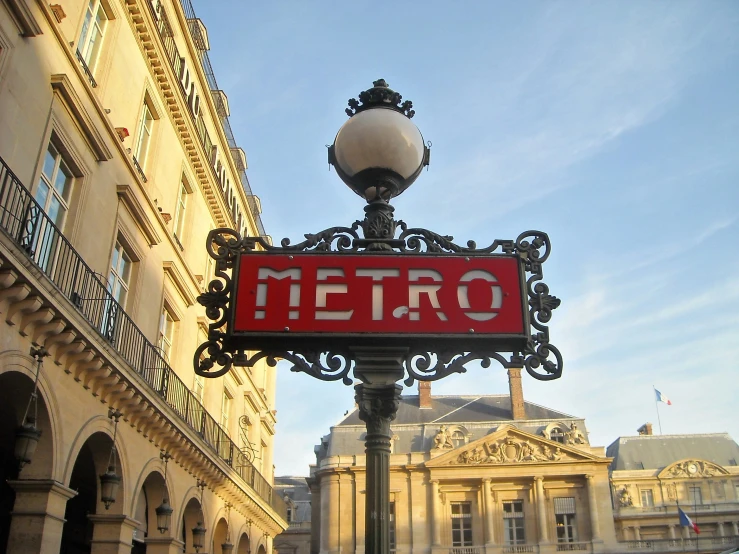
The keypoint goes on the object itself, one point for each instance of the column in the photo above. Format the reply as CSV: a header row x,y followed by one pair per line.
x,y
720,525
329,511
541,510
163,545
378,405
112,533
672,531
435,514
488,507
627,533
592,504
37,518
637,533
735,526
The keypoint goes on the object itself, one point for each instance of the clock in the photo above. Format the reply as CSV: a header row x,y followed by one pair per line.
x,y
692,469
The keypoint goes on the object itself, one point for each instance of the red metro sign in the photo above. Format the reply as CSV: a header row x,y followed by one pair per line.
x,y
401,299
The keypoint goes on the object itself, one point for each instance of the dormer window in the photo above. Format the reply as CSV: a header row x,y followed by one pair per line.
x,y
557,435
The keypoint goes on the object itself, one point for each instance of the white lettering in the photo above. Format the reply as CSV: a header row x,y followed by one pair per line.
x,y
415,292
377,275
263,275
463,295
324,289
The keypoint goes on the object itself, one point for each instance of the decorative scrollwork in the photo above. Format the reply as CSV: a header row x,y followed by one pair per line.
x,y
380,95
540,358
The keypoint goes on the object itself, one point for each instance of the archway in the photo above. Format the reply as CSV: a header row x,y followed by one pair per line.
x,y
92,461
152,493
15,392
219,535
191,516
242,547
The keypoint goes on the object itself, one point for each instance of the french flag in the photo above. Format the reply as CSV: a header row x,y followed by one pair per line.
x,y
662,398
685,521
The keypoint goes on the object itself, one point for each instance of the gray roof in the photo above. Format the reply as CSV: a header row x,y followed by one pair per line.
x,y
460,409
298,492
659,451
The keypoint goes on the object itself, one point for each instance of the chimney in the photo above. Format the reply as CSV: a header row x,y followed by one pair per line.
x,y
424,395
645,429
518,411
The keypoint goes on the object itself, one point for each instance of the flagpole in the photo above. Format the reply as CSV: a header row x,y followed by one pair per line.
x,y
656,405
695,515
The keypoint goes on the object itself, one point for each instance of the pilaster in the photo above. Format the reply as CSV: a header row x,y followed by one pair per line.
x,y
541,511
37,518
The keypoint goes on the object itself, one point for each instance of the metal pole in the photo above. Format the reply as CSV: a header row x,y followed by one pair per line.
x,y
378,397
378,405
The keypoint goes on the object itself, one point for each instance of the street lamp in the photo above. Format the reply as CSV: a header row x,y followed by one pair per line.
x,y
198,532
27,434
164,510
385,301
227,547
110,480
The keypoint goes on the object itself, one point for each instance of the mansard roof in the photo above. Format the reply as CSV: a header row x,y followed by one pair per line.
x,y
460,409
660,451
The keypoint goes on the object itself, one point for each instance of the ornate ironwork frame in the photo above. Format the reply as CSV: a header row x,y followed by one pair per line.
x,y
222,350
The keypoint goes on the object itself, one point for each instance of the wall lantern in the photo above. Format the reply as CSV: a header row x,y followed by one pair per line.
x,y
198,532
227,547
28,435
198,536
110,480
164,510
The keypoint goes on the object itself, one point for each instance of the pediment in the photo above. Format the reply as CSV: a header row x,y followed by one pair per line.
x,y
692,468
509,445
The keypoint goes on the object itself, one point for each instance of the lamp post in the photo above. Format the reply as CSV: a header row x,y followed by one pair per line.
x,y
389,302
27,434
198,532
110,480
164,510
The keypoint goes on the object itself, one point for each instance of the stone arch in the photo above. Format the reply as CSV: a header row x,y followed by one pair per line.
x,y
242,546
220,530
560,430
15,391
15,361
98,424
458,434
692,468
191,512
148,494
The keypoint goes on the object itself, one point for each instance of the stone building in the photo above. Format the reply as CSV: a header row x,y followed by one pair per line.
x,y
469,475
652,475
296,494
116,160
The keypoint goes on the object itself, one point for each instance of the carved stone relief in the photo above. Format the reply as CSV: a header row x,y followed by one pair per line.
x,y
508,451
695,468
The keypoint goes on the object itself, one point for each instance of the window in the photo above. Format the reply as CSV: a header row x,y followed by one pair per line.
x,y
564,513
391,527
289,515
198,387
93,30
225,409
55,187
457,438
647,498
166,333
513,522
119,279
143,137
179,214
694,495
461,524
557,435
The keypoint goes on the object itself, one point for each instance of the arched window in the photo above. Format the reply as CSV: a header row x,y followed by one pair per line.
x,y
557,435
458,438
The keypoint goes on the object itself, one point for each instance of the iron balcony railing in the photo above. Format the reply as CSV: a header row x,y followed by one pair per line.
x,y
175,60
23,220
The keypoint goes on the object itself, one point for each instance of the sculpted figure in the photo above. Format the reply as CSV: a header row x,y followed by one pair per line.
x,y
624,498
574,435
443,439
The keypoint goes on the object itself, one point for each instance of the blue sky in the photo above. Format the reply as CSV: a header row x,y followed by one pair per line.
x,y
612,126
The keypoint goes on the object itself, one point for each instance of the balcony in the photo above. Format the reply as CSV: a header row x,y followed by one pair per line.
x,y
24,222
573,546
467,550
705,545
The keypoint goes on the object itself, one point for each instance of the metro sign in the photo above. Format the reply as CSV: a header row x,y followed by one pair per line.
x,y
354,300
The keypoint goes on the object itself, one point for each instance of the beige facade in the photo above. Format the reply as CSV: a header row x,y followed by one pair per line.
x,y
296,539
116,160
467,478
653,475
